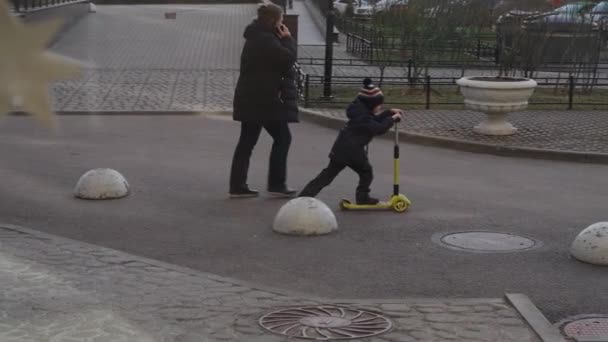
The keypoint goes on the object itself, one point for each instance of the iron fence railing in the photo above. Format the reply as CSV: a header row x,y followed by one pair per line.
x,y
482,45
568,91
29,5
374,32
360,47
413,66
370,49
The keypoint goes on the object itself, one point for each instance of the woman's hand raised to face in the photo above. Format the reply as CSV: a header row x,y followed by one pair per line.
x,y
283,31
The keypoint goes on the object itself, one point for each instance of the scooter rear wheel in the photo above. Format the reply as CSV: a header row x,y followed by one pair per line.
x,y
344,204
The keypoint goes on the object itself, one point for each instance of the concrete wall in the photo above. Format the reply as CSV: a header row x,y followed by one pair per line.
x,y
319,19
70,14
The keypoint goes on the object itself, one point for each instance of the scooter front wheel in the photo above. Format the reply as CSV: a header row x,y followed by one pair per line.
x,y
400,206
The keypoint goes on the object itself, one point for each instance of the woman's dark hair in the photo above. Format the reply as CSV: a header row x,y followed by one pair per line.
x,y
269,14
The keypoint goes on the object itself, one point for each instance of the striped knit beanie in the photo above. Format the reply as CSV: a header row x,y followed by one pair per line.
x,y
370,95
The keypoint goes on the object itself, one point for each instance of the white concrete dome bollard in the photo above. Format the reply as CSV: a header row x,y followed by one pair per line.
x,y
591,245
305,216
101,184
92,8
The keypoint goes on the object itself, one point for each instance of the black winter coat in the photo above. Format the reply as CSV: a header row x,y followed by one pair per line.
x,y
265,61
359,131
289,95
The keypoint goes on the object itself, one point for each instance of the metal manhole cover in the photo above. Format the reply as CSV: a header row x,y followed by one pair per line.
x,y
587,327
485,242
325,323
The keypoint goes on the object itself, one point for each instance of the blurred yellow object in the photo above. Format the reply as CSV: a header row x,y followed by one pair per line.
x,y
26,68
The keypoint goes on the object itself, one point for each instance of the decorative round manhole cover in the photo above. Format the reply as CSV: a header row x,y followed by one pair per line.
x,y
485,242
325,323
587,327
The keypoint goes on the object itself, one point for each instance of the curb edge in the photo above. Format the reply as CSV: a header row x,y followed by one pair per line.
x,y
471,146
296,295
535,319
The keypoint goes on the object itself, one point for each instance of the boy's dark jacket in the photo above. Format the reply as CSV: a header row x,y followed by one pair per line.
x,y
359,131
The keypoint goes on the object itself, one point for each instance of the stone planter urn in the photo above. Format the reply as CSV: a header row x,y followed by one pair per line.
x,y
496,97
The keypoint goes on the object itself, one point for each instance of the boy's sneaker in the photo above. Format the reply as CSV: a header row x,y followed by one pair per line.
x,y
367,200
244,193
282,192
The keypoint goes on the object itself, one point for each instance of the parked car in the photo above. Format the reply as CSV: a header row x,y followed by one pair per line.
x,y
599,15
516,17
386,5
447,7
361,8
571,17
505,6
581,7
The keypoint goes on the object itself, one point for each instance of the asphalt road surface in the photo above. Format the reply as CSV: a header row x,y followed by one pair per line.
x,y
179,211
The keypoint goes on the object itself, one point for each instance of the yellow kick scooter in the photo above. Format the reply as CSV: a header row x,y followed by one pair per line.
x,y
398,202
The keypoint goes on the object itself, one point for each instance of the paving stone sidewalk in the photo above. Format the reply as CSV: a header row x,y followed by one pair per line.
x,y
149,90
139,61
56,289
567,131
160,90
139,37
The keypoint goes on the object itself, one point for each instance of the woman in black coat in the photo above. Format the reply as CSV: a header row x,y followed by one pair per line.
x,y
260,100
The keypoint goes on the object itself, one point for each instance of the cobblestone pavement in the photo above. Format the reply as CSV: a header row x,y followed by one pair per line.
x,y
578,131
187,64
139,61
151,90
139,37
56,289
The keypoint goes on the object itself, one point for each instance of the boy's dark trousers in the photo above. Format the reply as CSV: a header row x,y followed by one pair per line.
x,y
360,165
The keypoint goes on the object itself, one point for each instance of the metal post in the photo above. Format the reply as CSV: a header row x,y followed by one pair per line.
x,y
571,92
348,42
306,90
396,162
409,70
329,49
428,92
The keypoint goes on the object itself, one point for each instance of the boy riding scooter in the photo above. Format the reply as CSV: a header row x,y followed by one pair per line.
x,y
365,120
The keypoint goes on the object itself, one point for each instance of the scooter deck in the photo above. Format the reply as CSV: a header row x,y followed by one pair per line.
x,y
398,203
346,204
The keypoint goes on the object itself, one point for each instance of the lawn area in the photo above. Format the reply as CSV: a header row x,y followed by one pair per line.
x,y
448,97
